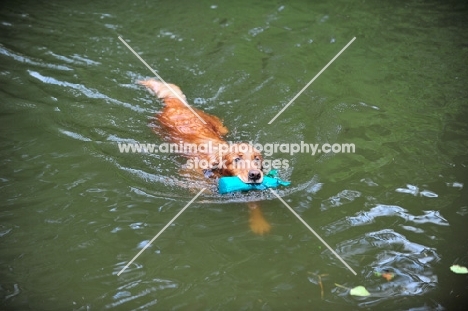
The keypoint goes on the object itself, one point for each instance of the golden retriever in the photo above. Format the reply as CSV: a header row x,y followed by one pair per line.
x,y
182,126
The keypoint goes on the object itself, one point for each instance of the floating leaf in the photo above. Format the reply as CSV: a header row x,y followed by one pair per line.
x,y
388,276
356,291
459,269
359,291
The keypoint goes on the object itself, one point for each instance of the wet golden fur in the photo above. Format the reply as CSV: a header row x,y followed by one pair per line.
x,y
180,124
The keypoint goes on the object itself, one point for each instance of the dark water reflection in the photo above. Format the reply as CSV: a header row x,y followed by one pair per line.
x,y
412,264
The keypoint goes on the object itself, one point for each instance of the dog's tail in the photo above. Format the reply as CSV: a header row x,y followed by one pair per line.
x,y
163,90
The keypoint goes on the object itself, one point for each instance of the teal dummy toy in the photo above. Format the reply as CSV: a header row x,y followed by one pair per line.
x,y
233,184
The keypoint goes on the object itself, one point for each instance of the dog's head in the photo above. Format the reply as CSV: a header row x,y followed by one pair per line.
x,y
241,160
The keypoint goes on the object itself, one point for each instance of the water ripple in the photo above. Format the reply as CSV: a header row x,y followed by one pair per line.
x,y
341,198
26,60
90,93
414,190
76,59
365,218
75,135
388,250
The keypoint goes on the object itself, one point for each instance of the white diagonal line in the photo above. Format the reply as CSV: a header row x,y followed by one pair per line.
x,y
162,230
310,82
315,233
162,80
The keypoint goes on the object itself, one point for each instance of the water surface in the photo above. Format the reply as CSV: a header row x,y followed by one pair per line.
x,y
74,210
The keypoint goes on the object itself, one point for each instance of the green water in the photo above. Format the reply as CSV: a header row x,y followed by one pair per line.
x,y
74,210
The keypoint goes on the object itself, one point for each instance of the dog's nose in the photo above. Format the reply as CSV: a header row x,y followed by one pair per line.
x,y
255,174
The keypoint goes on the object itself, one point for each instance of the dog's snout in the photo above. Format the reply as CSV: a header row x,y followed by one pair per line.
x,y
255,174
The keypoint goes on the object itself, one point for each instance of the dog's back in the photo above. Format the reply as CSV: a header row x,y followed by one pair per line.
x,y
180,123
